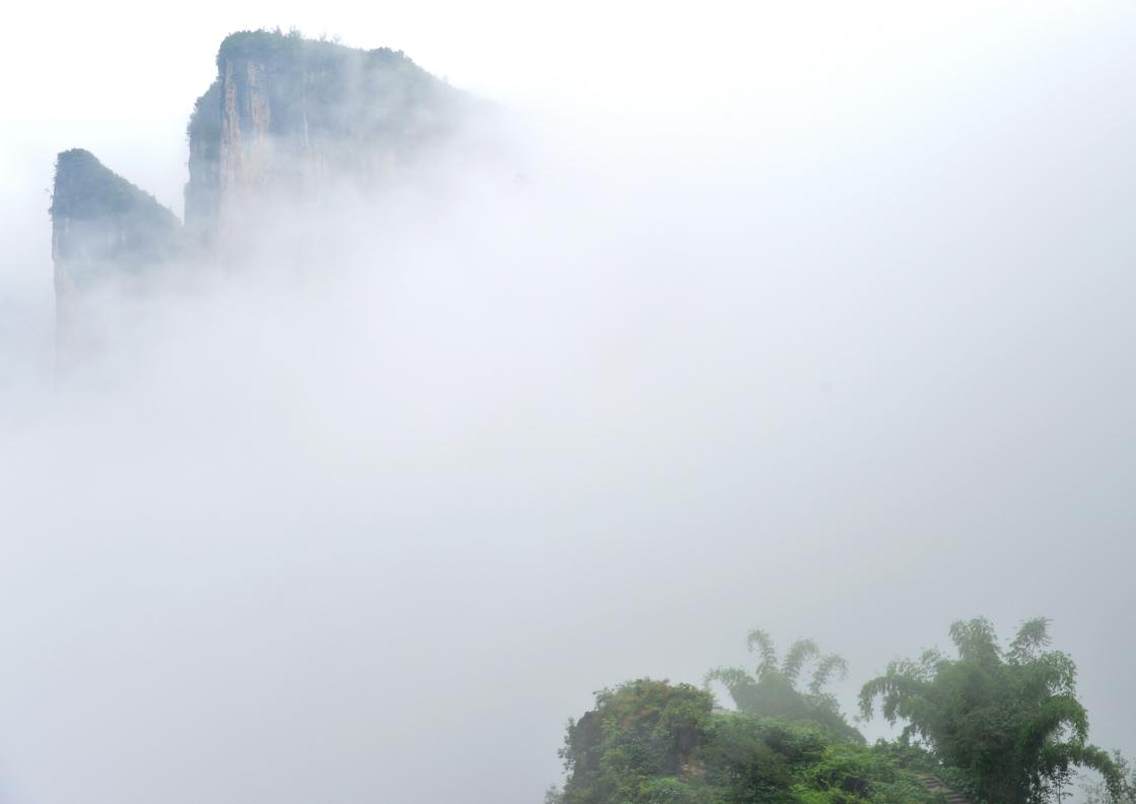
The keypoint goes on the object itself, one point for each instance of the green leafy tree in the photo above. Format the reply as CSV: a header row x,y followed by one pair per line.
x,y
1122,791
651,742
639,737
772,690
1007,719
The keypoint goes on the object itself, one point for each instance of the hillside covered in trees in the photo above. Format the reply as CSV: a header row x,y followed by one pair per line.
x,y
989,725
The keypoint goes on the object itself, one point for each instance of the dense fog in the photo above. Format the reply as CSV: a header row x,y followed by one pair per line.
x,y
753,319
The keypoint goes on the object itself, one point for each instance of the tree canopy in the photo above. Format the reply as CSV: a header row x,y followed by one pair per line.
x,y
650,742
1000,724
772,689
1007,718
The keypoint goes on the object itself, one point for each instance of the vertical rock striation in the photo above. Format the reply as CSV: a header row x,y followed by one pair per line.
x,y
288,116
285,121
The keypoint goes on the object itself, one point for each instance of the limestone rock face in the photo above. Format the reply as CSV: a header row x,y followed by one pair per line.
x,y
288,116
101,224
103,229
287,121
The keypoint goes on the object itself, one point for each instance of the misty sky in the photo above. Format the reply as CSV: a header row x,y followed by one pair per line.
x,y
816,319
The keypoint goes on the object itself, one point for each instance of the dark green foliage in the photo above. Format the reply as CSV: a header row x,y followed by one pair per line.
x,y
771,691
751,759
998,725
1122,790
650,742
923,763
1008,720
847,773
639,731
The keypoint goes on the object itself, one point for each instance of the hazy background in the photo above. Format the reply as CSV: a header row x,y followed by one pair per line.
x,y
817,319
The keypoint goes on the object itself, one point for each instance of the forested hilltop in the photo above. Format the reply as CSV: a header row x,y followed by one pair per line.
x,y
991,724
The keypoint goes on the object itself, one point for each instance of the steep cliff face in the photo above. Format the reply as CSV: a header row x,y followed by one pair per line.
x,y
202,192
103,226
285,120
287,115
103,229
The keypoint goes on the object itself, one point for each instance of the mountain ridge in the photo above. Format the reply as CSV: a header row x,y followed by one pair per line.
x,y
285,118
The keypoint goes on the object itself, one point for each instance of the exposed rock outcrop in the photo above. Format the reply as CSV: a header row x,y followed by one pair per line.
x,y
286,119
103,228
102,224
287,116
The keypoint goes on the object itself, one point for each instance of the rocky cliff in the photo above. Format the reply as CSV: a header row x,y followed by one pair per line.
x,y
286,118
103,229
291,116
103,225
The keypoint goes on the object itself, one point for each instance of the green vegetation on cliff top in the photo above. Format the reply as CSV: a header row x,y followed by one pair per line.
x,y
327,87
650,742
1000,725
85,188
103,225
